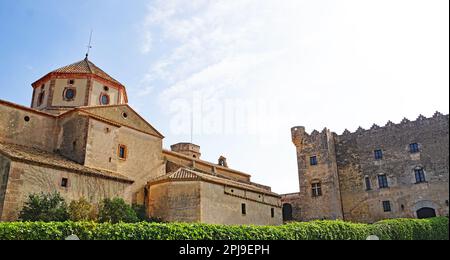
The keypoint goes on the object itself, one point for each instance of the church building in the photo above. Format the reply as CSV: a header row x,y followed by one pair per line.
x,y
81,138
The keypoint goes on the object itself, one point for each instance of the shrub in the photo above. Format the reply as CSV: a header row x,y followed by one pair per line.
x,y
82,210
44,207
115,211
431,229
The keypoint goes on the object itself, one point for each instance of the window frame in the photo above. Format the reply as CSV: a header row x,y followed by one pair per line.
x,y
414,148
65,182
65,93
125,152
316,188
102,95
419,174
244,209
378,154
313,160
383,182
368,183
387,207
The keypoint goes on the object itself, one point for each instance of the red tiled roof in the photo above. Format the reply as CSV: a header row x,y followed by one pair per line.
x,y
33,155
184,174
86,66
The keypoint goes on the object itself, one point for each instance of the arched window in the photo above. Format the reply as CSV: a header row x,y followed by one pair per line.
x,y
420,175
287,212
40,99
104,99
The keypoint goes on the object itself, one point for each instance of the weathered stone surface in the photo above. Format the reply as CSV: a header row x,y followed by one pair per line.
x,y
353,155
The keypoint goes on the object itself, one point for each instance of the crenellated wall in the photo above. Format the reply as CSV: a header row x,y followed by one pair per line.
x,y
353,156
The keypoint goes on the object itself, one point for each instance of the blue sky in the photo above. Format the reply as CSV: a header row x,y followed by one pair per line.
x,y
249,69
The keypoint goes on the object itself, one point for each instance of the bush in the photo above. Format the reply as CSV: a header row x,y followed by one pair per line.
x,y
435,229
44,207
115,211
82,210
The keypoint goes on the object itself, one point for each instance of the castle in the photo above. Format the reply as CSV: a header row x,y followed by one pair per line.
x,y
396,171
81,139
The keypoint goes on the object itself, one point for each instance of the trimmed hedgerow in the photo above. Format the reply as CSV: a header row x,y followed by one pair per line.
x,y
399,229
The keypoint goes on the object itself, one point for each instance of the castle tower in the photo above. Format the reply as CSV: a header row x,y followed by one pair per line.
x,y
76,85
318,175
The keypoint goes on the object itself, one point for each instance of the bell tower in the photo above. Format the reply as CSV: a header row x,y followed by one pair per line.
x,y
77,85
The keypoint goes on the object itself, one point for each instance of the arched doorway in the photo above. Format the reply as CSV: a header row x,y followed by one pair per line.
x,y
426,213
287,212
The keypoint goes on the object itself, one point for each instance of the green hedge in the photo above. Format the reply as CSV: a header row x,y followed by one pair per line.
x,y
399,229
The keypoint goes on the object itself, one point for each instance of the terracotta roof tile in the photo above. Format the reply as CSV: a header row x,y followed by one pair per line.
x,y
86,66
33,155
184,174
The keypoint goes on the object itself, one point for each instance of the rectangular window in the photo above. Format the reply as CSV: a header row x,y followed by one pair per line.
x,y
378,154
272,212
383,181
414,148
420,175
244,209
387,206
313,160
123,152
368,186
316,190
64,182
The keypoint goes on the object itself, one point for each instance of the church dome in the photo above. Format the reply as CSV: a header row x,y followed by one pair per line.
x,y
79,84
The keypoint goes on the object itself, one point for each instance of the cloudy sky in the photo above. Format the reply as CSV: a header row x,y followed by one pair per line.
x,y
238,74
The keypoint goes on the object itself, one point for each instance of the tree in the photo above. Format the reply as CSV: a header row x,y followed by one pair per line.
x,y
116,210
81,210
44,207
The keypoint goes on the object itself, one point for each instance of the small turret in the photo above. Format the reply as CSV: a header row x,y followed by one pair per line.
x,y
188,149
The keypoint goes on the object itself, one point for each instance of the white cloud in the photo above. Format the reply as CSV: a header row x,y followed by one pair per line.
x,y
338,64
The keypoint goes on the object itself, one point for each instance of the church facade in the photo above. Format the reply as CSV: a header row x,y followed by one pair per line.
x,y
82,139
395,171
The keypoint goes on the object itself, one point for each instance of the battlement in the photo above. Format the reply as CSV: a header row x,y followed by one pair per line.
x,y
405,123
300,136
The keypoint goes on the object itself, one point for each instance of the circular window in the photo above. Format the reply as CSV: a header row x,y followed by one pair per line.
x,y
106,88
124,115
69,94
104,99
27,119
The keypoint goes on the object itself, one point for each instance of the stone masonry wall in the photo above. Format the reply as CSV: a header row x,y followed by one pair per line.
x,y
356,161
25,179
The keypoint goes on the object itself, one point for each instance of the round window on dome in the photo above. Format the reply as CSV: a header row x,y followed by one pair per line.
x,y
69,94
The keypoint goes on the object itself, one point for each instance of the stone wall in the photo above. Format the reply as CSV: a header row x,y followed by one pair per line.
x,y
175,201
223,205
72,137
356,161
25,179
144,157
39,131
4,174
320,145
